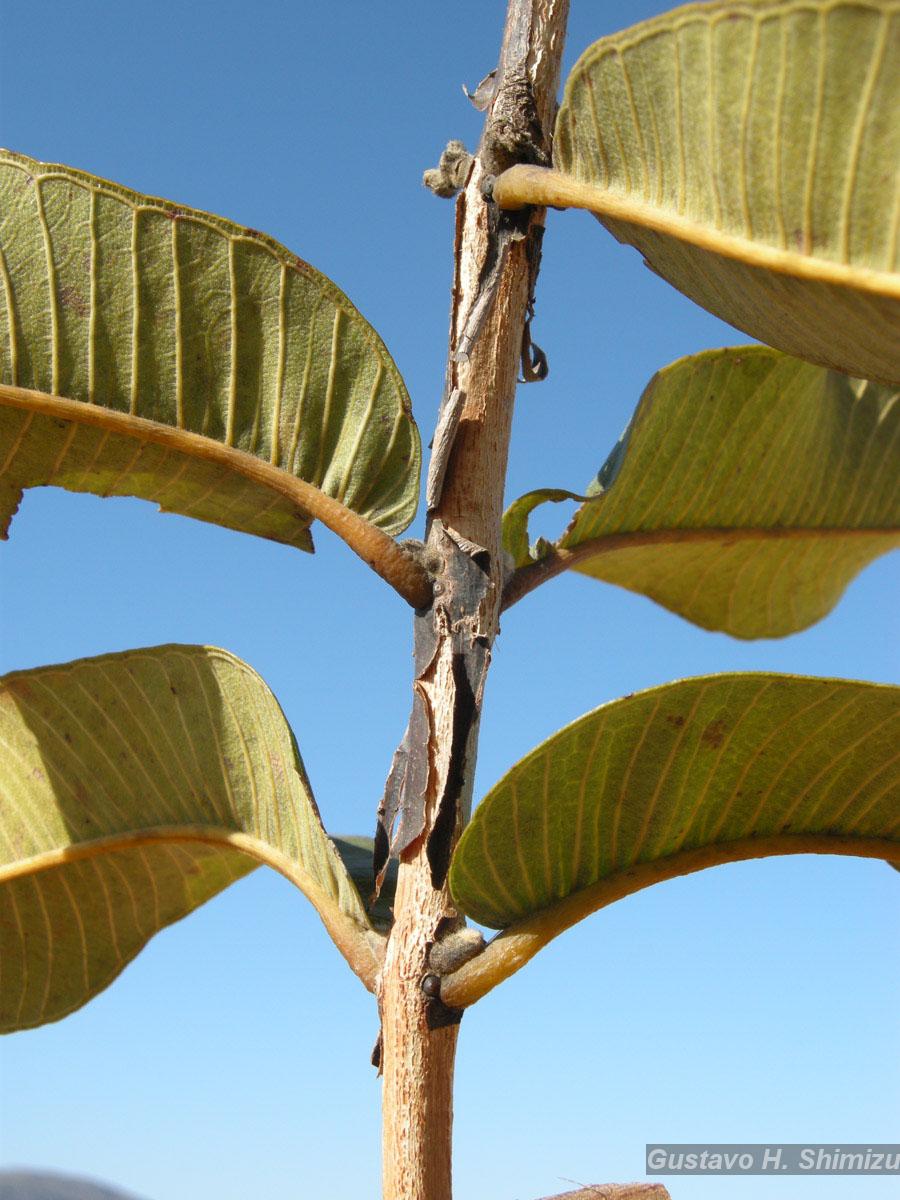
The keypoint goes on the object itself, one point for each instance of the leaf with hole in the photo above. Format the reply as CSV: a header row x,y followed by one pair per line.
x,y
148,349
748,491
750,153
685,776
134,787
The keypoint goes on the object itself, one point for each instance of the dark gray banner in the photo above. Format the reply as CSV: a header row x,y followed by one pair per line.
x,y
794,1158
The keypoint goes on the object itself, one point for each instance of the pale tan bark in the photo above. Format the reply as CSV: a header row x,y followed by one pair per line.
x,y
616,1191
484,361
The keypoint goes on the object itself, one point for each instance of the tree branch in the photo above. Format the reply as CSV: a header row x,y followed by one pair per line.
x,y
495,267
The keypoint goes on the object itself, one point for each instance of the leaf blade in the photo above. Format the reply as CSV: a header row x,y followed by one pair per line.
x,y
136,786
136,306
358,854
671,780
748,491
746,153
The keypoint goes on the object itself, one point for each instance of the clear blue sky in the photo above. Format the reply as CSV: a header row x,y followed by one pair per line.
x,y
754,1002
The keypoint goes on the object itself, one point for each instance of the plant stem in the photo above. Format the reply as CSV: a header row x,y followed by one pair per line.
x,y
495,269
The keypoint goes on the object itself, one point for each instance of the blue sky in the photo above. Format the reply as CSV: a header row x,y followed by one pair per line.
x,y
754,1002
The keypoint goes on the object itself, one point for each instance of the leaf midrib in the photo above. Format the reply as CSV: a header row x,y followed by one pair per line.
x,y
522,939
562,558
360,944
195,445
522,185
370,542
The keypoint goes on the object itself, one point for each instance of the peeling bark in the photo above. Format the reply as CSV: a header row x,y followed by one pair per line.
x,y
496,258
616,1191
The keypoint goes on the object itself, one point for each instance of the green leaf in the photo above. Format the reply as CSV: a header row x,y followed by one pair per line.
x,y
133,787
750,153
668,781
748,492
515,523
358,854
147,349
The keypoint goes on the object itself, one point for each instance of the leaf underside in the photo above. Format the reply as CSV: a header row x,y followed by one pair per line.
x,y
760,143
162,321
680,777
358,857
133,787
748,491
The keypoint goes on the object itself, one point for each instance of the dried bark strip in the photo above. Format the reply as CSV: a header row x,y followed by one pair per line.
x,y
616,1191
493,284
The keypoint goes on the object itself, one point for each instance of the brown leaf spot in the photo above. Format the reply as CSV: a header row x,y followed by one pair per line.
x,y
714,734
676,720
70,297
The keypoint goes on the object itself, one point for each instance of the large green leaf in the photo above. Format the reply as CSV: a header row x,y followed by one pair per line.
x,y
358,854
151,350
134,787
749,489
750,152
668,781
